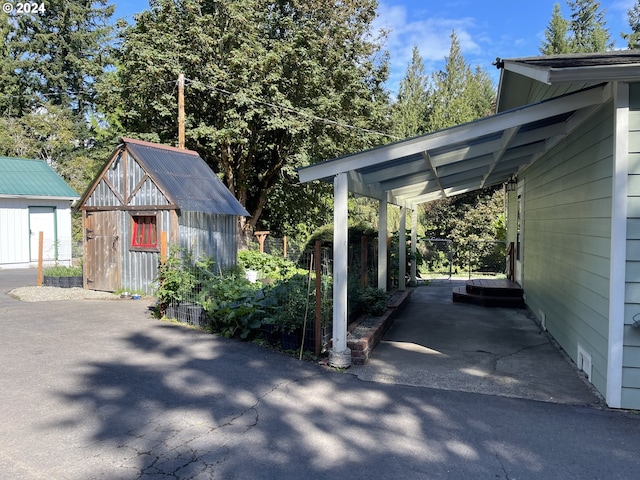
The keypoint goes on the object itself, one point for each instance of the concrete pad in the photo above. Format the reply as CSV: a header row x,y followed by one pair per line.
x,y
497,351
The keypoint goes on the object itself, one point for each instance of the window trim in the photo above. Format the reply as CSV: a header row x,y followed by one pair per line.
x,y
151,247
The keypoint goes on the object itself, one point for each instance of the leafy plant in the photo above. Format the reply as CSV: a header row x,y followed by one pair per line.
x,y
232,303
268,266
373,301
176,278
62,271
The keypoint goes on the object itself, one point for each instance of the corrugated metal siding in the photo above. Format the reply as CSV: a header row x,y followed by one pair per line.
x,y
567,230
209,235
148,194
631,354
103,196
140,269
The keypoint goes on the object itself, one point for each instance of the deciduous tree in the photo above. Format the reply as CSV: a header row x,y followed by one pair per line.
x,y
262,77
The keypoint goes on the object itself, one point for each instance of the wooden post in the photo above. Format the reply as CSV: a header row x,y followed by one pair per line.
x,y
40,255
181,111
261,236
284,246
318,322
163,247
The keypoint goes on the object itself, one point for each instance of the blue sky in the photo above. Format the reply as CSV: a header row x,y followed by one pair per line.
x,y
486,29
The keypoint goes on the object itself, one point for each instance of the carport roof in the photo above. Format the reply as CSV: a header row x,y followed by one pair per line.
x,y
463,158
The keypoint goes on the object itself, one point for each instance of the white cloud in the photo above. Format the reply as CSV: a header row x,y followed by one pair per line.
x,y
431,35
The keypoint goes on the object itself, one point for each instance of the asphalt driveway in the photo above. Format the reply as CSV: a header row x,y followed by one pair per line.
x,y
99,389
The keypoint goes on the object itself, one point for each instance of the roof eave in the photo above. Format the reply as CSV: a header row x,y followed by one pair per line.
x,y
39,197
593,73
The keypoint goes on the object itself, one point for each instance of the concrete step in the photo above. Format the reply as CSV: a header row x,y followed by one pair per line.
x,y
494,299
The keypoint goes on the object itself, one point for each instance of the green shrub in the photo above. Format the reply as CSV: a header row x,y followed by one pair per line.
x,y
232,304
62,271
272,267
373,301
176,278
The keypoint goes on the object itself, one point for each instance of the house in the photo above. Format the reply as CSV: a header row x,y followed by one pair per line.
x,y
566,142
147,192
33,199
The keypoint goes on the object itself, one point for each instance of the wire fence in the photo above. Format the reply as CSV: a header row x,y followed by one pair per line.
x,y
443,258
288,302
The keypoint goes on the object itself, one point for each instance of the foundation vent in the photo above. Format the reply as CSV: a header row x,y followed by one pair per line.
x,y
584,362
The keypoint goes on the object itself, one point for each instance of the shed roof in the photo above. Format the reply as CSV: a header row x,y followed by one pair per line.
x,y
24,177
185,178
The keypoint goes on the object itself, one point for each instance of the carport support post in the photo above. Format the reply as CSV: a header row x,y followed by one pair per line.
x,y
340,354
402,253
414,243
382,246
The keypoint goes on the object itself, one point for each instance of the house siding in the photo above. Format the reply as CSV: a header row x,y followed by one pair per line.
x,y
631,352
567,238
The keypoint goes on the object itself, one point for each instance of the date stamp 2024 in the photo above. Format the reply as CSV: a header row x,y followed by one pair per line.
x,y
21,8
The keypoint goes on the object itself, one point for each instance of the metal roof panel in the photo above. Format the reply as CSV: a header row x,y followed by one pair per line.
x,y
185,178
32,178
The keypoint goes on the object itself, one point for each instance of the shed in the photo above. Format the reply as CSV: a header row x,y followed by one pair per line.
x,y
145,189
33,199
565,141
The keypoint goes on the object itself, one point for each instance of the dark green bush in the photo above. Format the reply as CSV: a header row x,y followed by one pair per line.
x,y
373,301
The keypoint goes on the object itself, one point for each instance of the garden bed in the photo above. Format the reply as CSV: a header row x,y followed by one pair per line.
x,y
366,332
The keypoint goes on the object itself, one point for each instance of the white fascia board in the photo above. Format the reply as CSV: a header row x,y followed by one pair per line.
x,y
541,74
39,197
596,74
458,134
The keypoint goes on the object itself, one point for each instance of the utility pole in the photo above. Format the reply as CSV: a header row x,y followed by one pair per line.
x,y
181,111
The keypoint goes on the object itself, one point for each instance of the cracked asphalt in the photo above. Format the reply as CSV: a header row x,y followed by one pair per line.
x,y
94,389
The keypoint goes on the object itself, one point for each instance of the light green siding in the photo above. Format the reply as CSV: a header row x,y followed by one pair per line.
x,y
567,238
631,354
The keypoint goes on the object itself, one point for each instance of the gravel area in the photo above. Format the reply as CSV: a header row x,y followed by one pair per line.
x,y
43,294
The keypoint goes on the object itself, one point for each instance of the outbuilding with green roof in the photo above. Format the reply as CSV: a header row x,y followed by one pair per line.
x,y
33,199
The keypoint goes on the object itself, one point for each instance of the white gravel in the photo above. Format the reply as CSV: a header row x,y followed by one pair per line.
x,y
43,294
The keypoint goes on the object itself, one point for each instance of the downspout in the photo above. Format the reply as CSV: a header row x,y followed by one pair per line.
x,y
617,266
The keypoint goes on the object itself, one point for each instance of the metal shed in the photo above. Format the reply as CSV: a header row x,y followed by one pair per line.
x,y
143,190
33,199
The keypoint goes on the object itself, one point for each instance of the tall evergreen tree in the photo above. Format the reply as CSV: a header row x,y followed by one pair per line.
x,y
457,94
409,112
57,55
260,76
556,41
633,38
588,27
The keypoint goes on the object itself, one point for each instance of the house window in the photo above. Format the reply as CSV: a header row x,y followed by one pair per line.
x,y
145,231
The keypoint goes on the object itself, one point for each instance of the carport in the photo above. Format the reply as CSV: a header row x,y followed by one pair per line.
x,y
450,162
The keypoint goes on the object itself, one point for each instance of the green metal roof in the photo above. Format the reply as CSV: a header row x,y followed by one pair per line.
x,y
32,178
